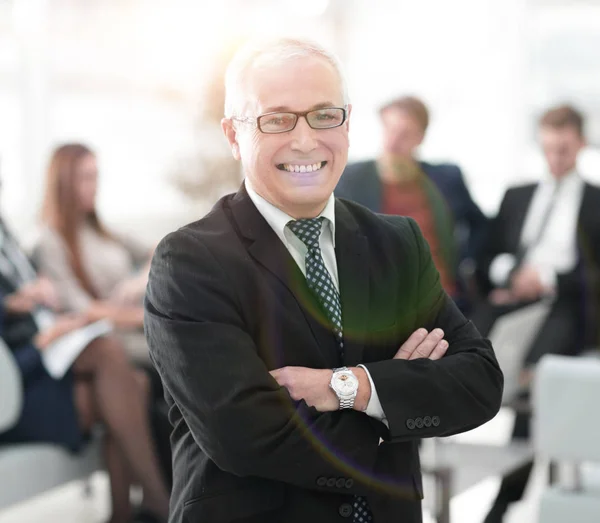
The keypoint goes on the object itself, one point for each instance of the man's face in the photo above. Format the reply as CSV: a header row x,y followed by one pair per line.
x,y
402,133
270,160
561,148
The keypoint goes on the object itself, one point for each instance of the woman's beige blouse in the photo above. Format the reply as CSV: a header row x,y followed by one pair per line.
x,y
106,261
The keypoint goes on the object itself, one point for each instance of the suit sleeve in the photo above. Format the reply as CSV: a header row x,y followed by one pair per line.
x,y
477,221
424,398
237,413
27,357
495,243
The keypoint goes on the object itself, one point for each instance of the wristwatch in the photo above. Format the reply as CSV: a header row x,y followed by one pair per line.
x,y
345,385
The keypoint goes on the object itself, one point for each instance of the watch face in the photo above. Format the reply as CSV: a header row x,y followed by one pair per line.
x,y
345,383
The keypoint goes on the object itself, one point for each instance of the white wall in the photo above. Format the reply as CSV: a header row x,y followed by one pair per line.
x,y
467,60
127,78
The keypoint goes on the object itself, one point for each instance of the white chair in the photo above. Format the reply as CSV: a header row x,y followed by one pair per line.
x,y
566,431
30,469
11,389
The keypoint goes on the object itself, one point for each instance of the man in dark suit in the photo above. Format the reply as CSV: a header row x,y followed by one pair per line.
x,y
304,342
545,241
435,195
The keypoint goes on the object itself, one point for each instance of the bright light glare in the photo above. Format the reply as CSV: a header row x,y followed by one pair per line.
x,y
28,16
308,7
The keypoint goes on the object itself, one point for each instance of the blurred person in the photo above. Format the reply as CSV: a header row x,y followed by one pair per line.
x,y
435,195
545,243
101,386
260,316
95,271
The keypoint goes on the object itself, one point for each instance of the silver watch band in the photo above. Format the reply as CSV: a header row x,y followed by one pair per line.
x,y
346,403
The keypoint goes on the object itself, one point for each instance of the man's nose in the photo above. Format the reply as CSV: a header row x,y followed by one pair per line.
x,y
304,136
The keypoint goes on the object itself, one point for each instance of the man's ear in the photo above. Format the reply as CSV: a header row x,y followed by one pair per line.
x,y
421,140
348,112
231,135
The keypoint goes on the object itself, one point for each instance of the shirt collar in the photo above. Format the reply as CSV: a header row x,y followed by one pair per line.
x,y
278,219
567,179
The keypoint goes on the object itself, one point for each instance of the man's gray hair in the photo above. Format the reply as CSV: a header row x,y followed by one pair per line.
x,y
268,53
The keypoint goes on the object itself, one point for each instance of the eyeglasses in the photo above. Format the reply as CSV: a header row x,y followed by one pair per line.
x,y
273,123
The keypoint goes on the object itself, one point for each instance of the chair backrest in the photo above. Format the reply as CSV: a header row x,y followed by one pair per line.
x,y
566,422
11,389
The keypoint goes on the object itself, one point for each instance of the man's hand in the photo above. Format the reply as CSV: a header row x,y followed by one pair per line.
x,y
17,303
42,292
526,378
526,284
310,385
37,292
64,324
502,297
422,344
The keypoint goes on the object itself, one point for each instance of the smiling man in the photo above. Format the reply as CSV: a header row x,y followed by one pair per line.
x,y
305,343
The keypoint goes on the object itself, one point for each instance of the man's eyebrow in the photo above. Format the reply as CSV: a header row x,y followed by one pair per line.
x,y
286,109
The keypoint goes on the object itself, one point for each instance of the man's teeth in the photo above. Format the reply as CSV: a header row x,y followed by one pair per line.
x,y
302,168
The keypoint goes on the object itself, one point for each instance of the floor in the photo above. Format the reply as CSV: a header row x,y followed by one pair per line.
x,y
69,504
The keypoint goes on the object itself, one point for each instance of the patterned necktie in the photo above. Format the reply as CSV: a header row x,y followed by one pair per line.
x,y
321,283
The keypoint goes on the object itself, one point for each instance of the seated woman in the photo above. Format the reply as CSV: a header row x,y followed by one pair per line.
x,y
95,271
101,386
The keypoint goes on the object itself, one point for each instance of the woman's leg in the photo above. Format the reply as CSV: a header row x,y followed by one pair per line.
x,y
120,481
123,411
118,474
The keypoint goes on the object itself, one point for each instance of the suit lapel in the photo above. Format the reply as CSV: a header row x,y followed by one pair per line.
x,y
352,254
518,216
268,250
588,227
588,213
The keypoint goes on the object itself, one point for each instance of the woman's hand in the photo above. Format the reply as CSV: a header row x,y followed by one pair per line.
x,y
129,291
122,316
64,324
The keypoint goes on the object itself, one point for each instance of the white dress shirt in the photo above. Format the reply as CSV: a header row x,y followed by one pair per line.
x,y
556,250
278,220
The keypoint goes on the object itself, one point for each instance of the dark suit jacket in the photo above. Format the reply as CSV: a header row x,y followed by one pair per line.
x,y
226,303
361,183
18,331
579,289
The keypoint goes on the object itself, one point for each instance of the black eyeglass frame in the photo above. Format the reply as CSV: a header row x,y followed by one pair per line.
x,y
256,120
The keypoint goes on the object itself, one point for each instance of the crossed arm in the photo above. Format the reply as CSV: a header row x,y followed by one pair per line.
x,y
250,425
312,385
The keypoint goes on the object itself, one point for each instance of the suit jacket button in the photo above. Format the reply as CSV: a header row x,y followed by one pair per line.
x,y
340,483
435,421
427,421
419,423
410,424
349,483
331,482
345,510
321,481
